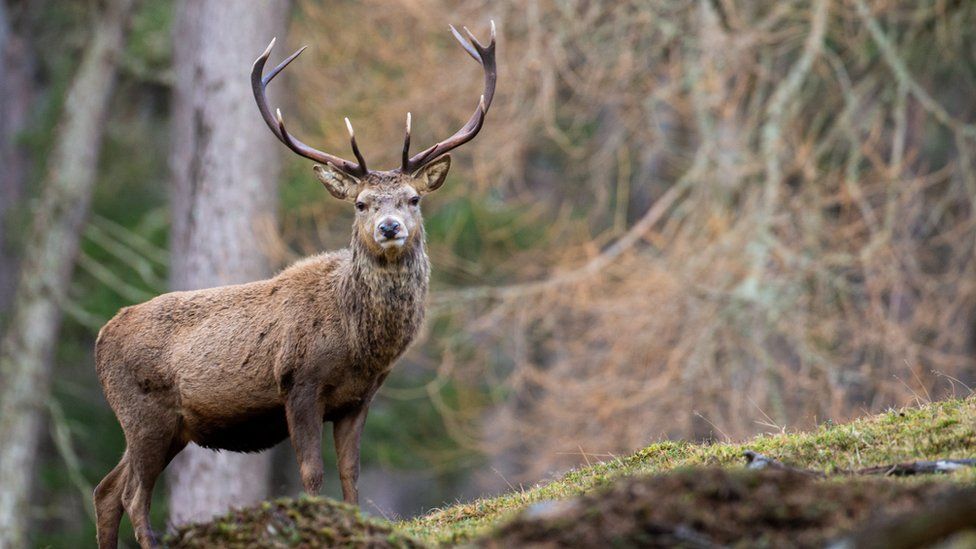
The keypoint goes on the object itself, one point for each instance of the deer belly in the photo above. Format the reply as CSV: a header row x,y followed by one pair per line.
x,y
251,431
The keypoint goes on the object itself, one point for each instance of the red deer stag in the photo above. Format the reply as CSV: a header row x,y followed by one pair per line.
x,y
242,367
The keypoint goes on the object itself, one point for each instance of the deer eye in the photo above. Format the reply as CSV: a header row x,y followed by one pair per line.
x,y
361,206
415,200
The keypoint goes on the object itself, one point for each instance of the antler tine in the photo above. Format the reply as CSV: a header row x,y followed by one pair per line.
x,y
406,146
259,82
286,137
281,66
477,42
464,43
485,56
355,147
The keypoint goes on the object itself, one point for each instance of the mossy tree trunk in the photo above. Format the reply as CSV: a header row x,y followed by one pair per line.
x,y
225,164
27,350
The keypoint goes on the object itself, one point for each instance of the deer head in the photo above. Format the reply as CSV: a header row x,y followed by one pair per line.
x,y
387,202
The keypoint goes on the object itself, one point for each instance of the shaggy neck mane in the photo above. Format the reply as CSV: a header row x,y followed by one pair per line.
x,y
384,299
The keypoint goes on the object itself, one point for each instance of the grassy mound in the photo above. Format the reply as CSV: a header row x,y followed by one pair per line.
x,y
305,522
945,429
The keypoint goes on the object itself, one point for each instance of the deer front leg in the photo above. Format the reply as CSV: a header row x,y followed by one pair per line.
x,y
305,428
347,431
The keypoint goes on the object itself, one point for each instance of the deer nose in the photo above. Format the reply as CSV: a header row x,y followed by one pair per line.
x,y
389,228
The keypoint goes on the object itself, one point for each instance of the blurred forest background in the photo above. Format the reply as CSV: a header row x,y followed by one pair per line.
x,y
694,219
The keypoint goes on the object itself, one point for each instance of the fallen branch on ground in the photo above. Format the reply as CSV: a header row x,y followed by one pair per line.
x,y
755,460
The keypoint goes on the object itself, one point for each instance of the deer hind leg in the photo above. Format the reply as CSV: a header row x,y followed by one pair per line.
x,y
108,505
152,444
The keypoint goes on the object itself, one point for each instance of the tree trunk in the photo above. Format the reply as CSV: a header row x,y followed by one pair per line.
x,y
225,165
16,93
52,244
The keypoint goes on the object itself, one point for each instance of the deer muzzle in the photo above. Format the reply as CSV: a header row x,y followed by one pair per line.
x,y
390,232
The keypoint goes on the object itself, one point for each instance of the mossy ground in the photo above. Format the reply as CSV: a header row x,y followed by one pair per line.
x,y
945,429
667,485
306,522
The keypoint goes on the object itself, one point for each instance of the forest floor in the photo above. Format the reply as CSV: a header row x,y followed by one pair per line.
x,y
678,494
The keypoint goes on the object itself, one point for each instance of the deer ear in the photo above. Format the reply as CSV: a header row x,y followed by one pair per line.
x,y
430,178
339,184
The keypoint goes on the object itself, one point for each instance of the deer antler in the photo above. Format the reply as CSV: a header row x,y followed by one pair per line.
x,y
485,55
259,82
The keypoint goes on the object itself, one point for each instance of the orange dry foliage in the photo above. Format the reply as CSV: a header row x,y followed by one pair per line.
x,y
755,215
